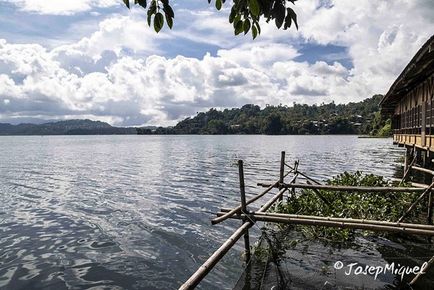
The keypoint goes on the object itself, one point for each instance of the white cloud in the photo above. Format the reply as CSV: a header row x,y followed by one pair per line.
x,y
61,7
381,36
161,90
119,73
114,34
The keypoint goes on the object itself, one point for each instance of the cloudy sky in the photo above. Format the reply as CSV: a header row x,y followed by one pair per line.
x,y
96,59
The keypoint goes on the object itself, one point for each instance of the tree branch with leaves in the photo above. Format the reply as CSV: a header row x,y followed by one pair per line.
x,y
245,15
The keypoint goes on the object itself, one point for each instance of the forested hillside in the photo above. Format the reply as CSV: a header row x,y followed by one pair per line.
x,y
68,127
353,118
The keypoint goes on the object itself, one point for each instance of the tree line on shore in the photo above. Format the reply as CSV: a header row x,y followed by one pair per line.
x,y
300,119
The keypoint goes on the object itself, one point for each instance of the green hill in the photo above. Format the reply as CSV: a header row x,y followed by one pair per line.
x,y
69,127
353,118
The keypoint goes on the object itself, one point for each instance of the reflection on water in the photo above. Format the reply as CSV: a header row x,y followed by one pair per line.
x,y
132,212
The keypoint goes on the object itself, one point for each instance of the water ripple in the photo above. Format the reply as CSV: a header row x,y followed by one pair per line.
x,y
132,212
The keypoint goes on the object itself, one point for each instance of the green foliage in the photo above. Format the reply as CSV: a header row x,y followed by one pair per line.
x,y
68,127
386,130
353,118
272,124
245,15
359,205
216,127
380,127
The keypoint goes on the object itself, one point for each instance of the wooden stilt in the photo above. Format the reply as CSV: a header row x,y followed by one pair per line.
x,y
406,159
244,209
430,207
427,174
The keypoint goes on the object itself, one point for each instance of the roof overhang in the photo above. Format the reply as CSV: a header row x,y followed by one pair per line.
x,y
417,70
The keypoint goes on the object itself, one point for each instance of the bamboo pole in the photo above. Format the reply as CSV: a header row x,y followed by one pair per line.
x,y
421,185
408,169
244,209
416,202
238,208
320,195
340,224
430,207
267,205
349,188
203,270
422,271
424,170
303,174
296,163
206,267
282,171
335,219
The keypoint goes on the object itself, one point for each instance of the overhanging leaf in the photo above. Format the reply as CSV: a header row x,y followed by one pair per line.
x,y
254,31
142,3
232,15
169,21
168,10
218,4
158,22
239,27
254,7
246,26
293,15
279,14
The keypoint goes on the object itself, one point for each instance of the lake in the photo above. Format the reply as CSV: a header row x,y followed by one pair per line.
x,y
133,212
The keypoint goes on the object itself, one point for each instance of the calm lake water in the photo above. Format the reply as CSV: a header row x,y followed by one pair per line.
x,y
133,212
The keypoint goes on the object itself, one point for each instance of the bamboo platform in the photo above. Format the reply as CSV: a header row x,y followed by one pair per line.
x,y
249,218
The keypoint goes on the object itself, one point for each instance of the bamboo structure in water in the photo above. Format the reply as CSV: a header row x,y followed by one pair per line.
x,y
249,218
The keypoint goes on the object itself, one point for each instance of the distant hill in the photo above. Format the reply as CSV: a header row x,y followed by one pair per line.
x,y
68,127
353,118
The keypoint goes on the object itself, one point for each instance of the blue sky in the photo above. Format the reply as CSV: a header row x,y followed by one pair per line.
x,y
96,59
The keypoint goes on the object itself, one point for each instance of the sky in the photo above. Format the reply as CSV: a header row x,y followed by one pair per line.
x,y
77,59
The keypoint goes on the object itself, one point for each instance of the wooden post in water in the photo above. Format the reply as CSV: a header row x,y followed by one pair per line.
x,y
244,208
282,171
407,159
423,123
430,206
427,176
